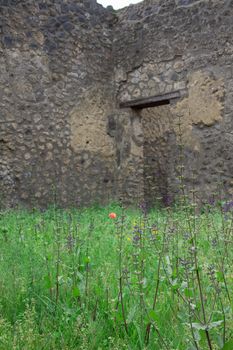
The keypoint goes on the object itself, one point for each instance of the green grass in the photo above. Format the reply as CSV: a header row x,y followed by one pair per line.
x,y
77,279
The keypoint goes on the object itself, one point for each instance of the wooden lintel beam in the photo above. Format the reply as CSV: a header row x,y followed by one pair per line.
x,y
152,101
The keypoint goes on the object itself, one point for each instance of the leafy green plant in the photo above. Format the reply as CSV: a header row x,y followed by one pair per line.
x,y
133,282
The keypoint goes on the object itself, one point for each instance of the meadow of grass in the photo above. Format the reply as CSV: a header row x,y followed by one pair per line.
x,y
78,279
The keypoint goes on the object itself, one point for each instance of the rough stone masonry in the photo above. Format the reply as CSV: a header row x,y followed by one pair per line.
x,y
67,67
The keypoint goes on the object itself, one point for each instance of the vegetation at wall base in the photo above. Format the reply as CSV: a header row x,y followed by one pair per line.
x,y
88,279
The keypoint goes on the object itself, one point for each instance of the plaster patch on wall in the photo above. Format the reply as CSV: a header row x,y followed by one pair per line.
x,y
89,124
203,106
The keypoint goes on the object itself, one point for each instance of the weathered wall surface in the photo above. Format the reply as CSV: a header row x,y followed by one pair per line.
x,y
160,153
188,46
56,86
65,65
129,156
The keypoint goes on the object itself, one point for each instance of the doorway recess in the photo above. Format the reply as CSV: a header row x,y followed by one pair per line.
x,y
158,144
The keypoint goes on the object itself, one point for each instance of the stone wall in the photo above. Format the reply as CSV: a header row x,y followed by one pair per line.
x,y
183,45
56,92
66,65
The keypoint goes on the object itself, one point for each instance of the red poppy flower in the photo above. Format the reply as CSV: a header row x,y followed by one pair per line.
x,y
112,215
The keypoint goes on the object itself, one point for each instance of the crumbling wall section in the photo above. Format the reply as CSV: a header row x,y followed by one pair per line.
x,y
56,92
185,46
66,66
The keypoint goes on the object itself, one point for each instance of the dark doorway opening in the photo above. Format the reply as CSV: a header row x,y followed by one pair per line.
x,y
159,145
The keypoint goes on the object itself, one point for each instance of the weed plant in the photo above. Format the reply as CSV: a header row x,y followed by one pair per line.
x,y
77,279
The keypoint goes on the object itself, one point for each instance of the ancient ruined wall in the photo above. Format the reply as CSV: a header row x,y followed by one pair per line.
x,y
56,91
66,65
185,45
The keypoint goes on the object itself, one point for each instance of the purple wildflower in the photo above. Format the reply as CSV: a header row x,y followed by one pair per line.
x,y
228,206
